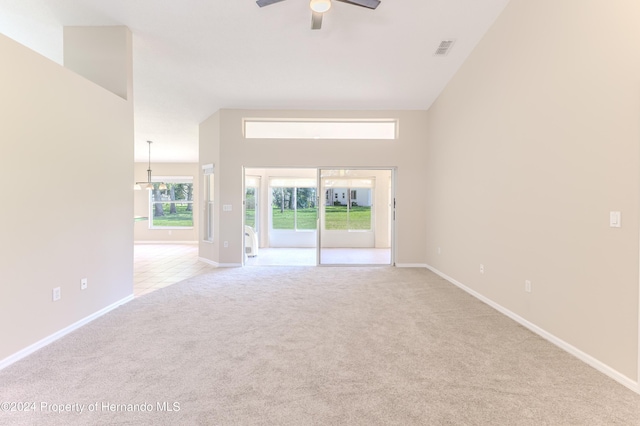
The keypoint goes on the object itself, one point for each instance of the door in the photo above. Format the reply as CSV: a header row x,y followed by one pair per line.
x,y
356,216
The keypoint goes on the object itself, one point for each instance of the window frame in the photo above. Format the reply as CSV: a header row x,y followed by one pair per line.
x,y
384,129
170,180
295,189
208,199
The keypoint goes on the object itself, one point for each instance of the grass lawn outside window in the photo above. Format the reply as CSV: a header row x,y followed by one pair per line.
x,y
337,218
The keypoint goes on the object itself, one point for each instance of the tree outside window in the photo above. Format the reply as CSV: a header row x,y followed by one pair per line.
x,y
172,207
293,208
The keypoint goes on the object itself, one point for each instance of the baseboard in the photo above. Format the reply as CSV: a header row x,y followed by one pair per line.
x,y
209,262
57,335
164,242
219,265
411,265
593,362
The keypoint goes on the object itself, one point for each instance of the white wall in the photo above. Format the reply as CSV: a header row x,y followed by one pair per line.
x,y
222,136
142,233
530,146
67,169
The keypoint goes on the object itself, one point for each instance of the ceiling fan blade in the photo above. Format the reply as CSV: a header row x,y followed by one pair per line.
x,y
369,4
263,3
316,20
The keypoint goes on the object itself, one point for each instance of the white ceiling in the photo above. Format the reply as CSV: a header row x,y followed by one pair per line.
x,y
193,57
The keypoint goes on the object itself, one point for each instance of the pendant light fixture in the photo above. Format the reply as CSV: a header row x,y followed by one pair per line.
x,y
148,185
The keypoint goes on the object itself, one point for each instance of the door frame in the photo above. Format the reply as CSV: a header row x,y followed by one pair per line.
x,y
319,195
392,213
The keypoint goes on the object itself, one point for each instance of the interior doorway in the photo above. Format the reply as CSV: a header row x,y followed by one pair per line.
x,y
311,216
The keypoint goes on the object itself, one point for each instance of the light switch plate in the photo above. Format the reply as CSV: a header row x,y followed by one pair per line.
x,y
614,219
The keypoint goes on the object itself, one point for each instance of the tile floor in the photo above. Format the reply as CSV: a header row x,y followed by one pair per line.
x,y
159,265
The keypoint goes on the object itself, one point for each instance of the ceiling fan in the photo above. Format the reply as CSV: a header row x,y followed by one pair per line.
x,y
319,7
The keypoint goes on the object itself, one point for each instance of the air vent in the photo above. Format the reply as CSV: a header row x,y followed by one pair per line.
x,y
444,48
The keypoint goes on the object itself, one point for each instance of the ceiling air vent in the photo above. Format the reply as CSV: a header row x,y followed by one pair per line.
x,y
444,48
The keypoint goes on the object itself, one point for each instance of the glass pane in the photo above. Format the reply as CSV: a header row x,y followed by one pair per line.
x,y
250,208
172,214
348,209
306,214
360,218
336,213
210,186
208,200
318,129
210,221
283,206
360,209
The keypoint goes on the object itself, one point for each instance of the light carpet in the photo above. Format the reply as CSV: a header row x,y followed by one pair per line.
x,y
310,346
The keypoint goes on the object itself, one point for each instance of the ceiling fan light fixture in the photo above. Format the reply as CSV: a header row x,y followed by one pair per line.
x,y
320,6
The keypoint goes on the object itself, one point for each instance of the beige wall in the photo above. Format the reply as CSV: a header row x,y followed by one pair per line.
x,y
142,233
531,145
224,131
84,47
66,162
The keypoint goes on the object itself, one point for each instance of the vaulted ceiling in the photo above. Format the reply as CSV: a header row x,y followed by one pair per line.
x,y
193,57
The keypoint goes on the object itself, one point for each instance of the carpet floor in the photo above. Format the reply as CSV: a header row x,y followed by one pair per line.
x,y
309,346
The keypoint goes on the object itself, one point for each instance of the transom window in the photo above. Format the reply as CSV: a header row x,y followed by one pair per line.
x,y
320,129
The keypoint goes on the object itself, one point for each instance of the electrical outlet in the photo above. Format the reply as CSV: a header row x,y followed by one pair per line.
x,y
56,294
83,284
481,268
527,286
226,244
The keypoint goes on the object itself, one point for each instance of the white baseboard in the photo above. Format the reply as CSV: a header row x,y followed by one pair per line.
x,y
55,336
164,242
209,262
219,265
593,362
411,265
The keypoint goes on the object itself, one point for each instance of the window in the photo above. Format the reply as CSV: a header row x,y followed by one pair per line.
x,y
320,129
250,209
351,207
172,206
293,207
208,199
252,202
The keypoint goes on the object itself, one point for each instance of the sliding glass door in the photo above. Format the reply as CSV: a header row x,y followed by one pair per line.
x,y
355,216
326,216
